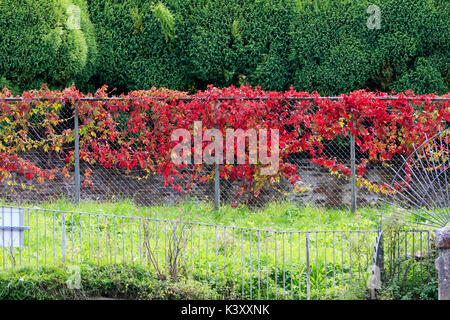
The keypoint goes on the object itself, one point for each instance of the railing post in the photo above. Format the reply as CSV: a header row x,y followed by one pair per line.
x,y
174,240
353,173
216,173
77,154
442,263
308,270
378,266
63,239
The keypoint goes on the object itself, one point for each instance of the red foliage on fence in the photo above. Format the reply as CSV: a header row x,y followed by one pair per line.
x,y
134,130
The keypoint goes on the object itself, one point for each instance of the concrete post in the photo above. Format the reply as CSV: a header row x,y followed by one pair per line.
x,y
442,263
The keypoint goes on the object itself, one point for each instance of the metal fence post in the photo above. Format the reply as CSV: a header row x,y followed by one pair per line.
x,y
353,173
77,154
216,173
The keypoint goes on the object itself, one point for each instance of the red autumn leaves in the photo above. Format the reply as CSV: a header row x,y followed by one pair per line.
x,y
133,131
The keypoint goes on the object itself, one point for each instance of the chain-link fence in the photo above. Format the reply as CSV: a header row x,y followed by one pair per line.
x,y
92,178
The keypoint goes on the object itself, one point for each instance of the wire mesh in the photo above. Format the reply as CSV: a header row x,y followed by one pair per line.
x,y
319,186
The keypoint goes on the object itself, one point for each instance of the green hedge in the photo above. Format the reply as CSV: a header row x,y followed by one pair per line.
x,y
113,281
334,50
37,46
134,51
314,45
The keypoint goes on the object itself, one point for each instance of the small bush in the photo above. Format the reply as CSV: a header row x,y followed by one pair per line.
x,y
114,281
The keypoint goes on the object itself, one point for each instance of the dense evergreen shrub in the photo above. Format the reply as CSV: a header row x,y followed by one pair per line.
x,y
38,46
314,45
137,48
334,51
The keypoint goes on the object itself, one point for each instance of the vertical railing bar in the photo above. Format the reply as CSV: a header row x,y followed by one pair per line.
x,y
29,238
107,239
259,270
299,268
367,250
156,242
184,243
234,252
3,238
334,263
115,240
165,243
54,237
63,237
81,239
358,256
308,271
413,266
207,252
342,261
123,242
284,271
98,240
251,275
421,257
175,252
199,261
45,238
140,241
267,264
225,252
317,265
215,240
89,231
325,263
242,261
350,253
292,283
131,238
22,244
192,252
13,264
37,237
276,265
428,253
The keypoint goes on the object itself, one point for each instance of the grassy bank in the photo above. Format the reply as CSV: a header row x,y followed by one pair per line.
x,y
274,216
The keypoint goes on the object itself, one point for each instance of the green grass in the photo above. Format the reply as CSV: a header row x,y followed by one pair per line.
x,y
283,216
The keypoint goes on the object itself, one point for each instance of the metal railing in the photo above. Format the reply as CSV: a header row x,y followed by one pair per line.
x,y
242,263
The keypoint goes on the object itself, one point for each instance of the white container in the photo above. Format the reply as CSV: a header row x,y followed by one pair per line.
x,y
11,227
